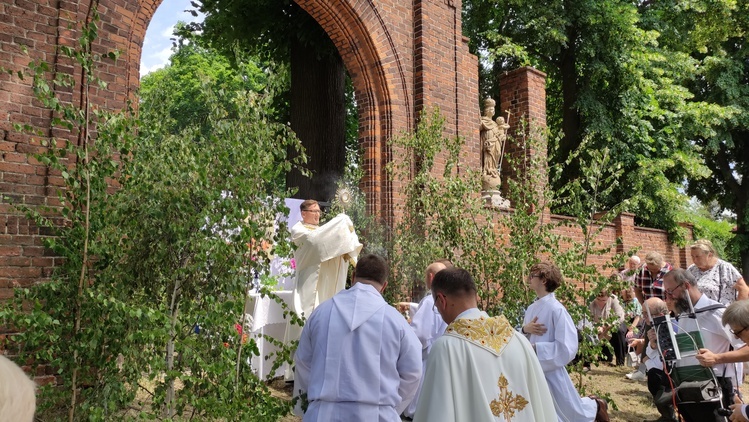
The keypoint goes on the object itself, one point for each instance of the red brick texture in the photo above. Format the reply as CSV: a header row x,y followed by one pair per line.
x,y
403,57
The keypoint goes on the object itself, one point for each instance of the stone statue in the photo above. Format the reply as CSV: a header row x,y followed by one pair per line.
x,y
493,137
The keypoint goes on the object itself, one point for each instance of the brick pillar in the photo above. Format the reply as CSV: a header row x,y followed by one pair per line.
x,y
625,232
446,75
522,92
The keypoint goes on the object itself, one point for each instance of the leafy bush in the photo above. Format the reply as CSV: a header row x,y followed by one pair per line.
x,y
140,318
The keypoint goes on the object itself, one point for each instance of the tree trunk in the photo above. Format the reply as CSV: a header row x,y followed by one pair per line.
x,y
742,233
318,117
570,115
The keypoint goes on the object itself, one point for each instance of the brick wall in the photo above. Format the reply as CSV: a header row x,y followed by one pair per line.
x,y
523,93
403,56
622,236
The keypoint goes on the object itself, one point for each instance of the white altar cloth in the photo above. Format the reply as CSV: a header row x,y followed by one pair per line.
x,y
267,319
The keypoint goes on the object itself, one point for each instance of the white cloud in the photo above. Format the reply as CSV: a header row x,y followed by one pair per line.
x,y
155,61
157,46
168,32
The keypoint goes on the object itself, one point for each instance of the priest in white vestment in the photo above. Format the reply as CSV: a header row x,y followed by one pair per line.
x,y
427,324
549,328
481,369
322,257
357,359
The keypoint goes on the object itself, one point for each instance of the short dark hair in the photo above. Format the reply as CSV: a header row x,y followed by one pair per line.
x,y
373,268
549,274
307,204
454,281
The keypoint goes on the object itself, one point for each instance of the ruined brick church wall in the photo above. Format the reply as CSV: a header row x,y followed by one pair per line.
x,y
403,56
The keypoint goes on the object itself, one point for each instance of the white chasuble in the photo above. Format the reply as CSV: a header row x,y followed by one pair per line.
x,y
481,369
321,264
555,349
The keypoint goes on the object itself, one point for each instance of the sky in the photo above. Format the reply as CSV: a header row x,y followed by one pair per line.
x,y
157,47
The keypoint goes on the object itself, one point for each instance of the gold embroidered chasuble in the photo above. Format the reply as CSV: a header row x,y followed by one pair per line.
x,y
483,370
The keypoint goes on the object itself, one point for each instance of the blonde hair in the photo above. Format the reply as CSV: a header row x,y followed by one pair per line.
x,y
17,393
654,258
704,245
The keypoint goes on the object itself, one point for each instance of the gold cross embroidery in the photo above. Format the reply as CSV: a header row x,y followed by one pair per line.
x,y
506,404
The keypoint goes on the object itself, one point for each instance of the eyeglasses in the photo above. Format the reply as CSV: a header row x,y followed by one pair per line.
x,y
671,292
312,211
737,333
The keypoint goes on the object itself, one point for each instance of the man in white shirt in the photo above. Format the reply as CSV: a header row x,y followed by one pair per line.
x,y
427,324
481,369
357,359
681,285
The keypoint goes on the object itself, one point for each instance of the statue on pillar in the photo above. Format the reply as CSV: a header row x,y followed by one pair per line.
x,y
493,137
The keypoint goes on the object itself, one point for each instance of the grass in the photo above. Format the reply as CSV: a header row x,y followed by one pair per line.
x,y
631,400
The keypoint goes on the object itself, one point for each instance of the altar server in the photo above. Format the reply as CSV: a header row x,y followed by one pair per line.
x,y
358,359
549,328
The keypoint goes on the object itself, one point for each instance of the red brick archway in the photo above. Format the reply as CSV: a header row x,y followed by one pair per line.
x,y
402,57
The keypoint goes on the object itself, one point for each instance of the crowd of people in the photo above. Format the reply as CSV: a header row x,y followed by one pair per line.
x,y
358,358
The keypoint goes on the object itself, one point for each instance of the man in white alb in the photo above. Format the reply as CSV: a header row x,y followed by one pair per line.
x,y
427,324
481,369
549,328
322,257
357,359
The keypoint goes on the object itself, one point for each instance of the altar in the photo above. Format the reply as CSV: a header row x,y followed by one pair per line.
x,y
266,319
264,316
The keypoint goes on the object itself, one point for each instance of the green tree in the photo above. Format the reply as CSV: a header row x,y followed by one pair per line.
x,y
443,217
191,69
281,30
716,40
158,236
609,85
192,214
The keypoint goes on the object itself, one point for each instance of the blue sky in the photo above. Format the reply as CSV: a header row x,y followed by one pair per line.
x,y
157,47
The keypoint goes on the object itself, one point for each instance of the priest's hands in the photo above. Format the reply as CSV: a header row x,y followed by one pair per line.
x,y
402,306
534,327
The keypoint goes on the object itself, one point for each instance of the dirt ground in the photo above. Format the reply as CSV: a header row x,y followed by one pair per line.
x,y
631,401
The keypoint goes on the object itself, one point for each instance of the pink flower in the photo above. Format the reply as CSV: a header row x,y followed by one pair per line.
x,y
238,327
292,263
